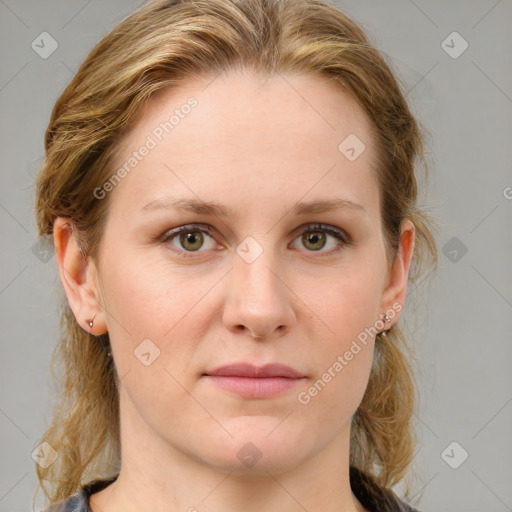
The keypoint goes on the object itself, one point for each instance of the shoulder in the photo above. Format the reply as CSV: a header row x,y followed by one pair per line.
x,y
79,501
373,497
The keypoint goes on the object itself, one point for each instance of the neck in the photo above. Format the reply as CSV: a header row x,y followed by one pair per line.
x,y
163,477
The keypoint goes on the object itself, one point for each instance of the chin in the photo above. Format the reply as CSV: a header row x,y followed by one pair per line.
x,y
262,447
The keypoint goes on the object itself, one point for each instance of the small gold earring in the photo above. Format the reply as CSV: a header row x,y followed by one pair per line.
x,y
385,332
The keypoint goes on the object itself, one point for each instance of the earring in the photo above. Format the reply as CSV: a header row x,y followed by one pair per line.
x,y
386,319
91,322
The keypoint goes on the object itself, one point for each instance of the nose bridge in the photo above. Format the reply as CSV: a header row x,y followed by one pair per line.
x,y
253,270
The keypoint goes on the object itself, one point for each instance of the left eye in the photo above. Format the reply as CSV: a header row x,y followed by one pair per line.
x,y
314,237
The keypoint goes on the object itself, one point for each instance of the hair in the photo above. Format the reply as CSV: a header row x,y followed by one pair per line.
x,y
163,44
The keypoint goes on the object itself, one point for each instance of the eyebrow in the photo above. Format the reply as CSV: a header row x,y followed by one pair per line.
x,y
211,208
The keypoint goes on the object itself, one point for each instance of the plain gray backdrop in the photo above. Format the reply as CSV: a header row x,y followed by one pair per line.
x,y
463,96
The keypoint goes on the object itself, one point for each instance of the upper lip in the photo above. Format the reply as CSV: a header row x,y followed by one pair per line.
x,y
249,370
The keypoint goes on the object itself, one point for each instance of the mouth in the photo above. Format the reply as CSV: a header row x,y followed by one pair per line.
x,y
250,381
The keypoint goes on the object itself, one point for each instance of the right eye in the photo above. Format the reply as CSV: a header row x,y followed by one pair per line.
x,y
189,238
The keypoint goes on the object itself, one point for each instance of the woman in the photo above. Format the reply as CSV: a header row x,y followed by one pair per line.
x,y
230,189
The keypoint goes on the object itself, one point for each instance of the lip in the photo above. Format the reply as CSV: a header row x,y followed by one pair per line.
x,y
243,369
250,381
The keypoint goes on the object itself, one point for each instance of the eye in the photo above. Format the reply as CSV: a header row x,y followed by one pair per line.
x,y
189,238
315,238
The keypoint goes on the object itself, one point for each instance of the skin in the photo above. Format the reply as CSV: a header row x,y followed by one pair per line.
x,y
258,147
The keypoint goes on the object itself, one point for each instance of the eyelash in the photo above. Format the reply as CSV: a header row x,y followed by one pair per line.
x,y
335,232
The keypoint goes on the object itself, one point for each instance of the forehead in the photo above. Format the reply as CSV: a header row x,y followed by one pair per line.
x,y
238,135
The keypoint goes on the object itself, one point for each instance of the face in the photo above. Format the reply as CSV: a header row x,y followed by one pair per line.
x,y
264,277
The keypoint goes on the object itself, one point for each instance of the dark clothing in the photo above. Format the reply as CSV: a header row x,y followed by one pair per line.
x,y
369,494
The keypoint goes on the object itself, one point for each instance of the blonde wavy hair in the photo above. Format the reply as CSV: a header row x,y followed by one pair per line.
x,y
163,44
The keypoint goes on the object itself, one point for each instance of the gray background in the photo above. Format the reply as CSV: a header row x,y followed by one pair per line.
x,y
464,342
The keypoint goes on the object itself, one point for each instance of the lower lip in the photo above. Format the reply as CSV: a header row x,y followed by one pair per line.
x,y
249,387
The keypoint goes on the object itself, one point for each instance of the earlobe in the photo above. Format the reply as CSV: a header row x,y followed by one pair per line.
x,y
396,288
78,275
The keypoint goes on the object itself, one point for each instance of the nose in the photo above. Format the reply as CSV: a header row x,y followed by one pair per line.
x,y
258,299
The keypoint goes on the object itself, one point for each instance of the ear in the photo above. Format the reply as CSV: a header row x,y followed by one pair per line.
x,y
79,277
396,287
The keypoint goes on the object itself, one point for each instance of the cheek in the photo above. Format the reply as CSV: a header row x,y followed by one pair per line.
x,y
346,301
345,311
342,360
149,293
153,336
149,311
